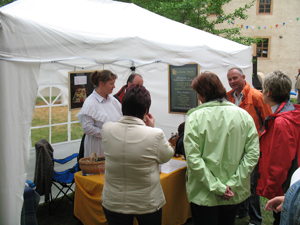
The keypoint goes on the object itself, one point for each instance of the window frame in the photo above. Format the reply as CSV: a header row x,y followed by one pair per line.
x,y
257,8
269,49
51,104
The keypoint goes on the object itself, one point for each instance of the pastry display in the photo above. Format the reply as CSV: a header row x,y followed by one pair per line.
x,y
79,96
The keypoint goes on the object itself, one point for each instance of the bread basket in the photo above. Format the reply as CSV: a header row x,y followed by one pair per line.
x,y
93,164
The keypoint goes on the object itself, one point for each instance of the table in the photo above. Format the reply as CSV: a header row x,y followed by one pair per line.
x,y
88,190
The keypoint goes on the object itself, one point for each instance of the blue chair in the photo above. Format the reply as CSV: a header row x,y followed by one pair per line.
x,y
46,175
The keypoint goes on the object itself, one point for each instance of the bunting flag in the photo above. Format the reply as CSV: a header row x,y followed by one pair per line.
x,y
264,26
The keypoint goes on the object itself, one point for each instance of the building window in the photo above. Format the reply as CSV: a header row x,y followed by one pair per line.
x,y
264,7
262,49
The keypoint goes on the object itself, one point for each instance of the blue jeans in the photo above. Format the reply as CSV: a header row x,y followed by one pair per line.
x,y
114,218
251,206
290,213
214,215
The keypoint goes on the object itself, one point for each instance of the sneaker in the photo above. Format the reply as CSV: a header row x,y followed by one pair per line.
x,y
251,223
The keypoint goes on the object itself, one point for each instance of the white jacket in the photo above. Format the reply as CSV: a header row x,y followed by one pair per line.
x,y
133,153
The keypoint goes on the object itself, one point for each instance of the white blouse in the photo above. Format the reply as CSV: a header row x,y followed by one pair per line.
x,y
96,111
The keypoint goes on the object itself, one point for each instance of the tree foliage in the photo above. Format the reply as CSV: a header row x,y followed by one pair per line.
x,y
5,2
197,13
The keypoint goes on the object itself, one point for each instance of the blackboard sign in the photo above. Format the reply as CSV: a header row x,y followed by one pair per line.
x,y
181,96
80,87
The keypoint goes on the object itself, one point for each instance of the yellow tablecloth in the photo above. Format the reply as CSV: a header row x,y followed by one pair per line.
x,y
88,207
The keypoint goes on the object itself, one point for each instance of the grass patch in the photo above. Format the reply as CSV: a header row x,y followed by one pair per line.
x,y
267,217
76,131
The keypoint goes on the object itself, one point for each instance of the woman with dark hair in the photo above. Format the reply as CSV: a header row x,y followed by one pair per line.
x,y
133,151
222,149
99,108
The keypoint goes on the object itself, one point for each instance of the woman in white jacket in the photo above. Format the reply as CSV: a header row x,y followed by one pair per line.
x,y
134,149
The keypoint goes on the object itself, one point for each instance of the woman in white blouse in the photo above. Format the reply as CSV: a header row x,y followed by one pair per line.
x,y
100,107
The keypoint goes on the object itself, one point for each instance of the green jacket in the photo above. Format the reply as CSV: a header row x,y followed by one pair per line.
x,y
222,148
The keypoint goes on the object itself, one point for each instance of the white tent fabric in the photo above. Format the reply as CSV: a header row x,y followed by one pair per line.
x,y
42,40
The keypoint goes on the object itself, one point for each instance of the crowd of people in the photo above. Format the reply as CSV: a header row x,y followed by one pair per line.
x,y
238,145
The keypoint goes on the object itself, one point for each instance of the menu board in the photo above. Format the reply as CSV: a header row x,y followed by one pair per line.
x,y
80,87
181,96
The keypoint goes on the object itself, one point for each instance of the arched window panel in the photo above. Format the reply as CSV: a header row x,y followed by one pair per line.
x,y
56,98
52,119
43,97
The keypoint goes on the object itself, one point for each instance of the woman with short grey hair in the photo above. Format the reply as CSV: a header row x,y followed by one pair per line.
x,y
280,142
279,85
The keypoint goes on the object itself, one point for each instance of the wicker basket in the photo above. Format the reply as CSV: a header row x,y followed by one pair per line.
x,y
93,164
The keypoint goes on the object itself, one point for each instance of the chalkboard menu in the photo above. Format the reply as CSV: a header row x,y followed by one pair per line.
x,y
181,96
80,87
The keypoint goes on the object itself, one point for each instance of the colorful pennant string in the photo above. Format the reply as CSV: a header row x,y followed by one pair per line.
x,y
265,27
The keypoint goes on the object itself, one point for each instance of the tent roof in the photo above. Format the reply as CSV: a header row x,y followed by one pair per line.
x,y
106,31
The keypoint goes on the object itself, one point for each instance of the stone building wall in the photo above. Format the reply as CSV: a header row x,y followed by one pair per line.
x,y
284,50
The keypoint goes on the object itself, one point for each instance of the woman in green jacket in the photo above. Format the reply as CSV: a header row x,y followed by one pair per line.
x,y
222,149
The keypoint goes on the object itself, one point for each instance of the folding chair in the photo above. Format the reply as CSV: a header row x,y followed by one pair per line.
x,y
45,174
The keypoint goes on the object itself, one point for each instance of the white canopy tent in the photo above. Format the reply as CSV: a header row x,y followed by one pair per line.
x,y
42,40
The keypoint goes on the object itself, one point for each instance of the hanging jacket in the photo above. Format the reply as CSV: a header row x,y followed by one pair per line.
x,y
253,103
44,168
279,151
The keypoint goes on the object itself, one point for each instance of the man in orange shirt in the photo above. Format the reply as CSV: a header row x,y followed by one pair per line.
x,y
250,99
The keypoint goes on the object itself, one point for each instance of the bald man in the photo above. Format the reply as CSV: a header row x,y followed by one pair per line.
x,y
134,78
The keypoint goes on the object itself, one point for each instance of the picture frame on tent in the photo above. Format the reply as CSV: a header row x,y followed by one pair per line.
x,y
80,87
182,97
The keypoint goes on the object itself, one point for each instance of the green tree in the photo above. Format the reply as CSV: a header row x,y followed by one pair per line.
x,y
5,2
196,13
